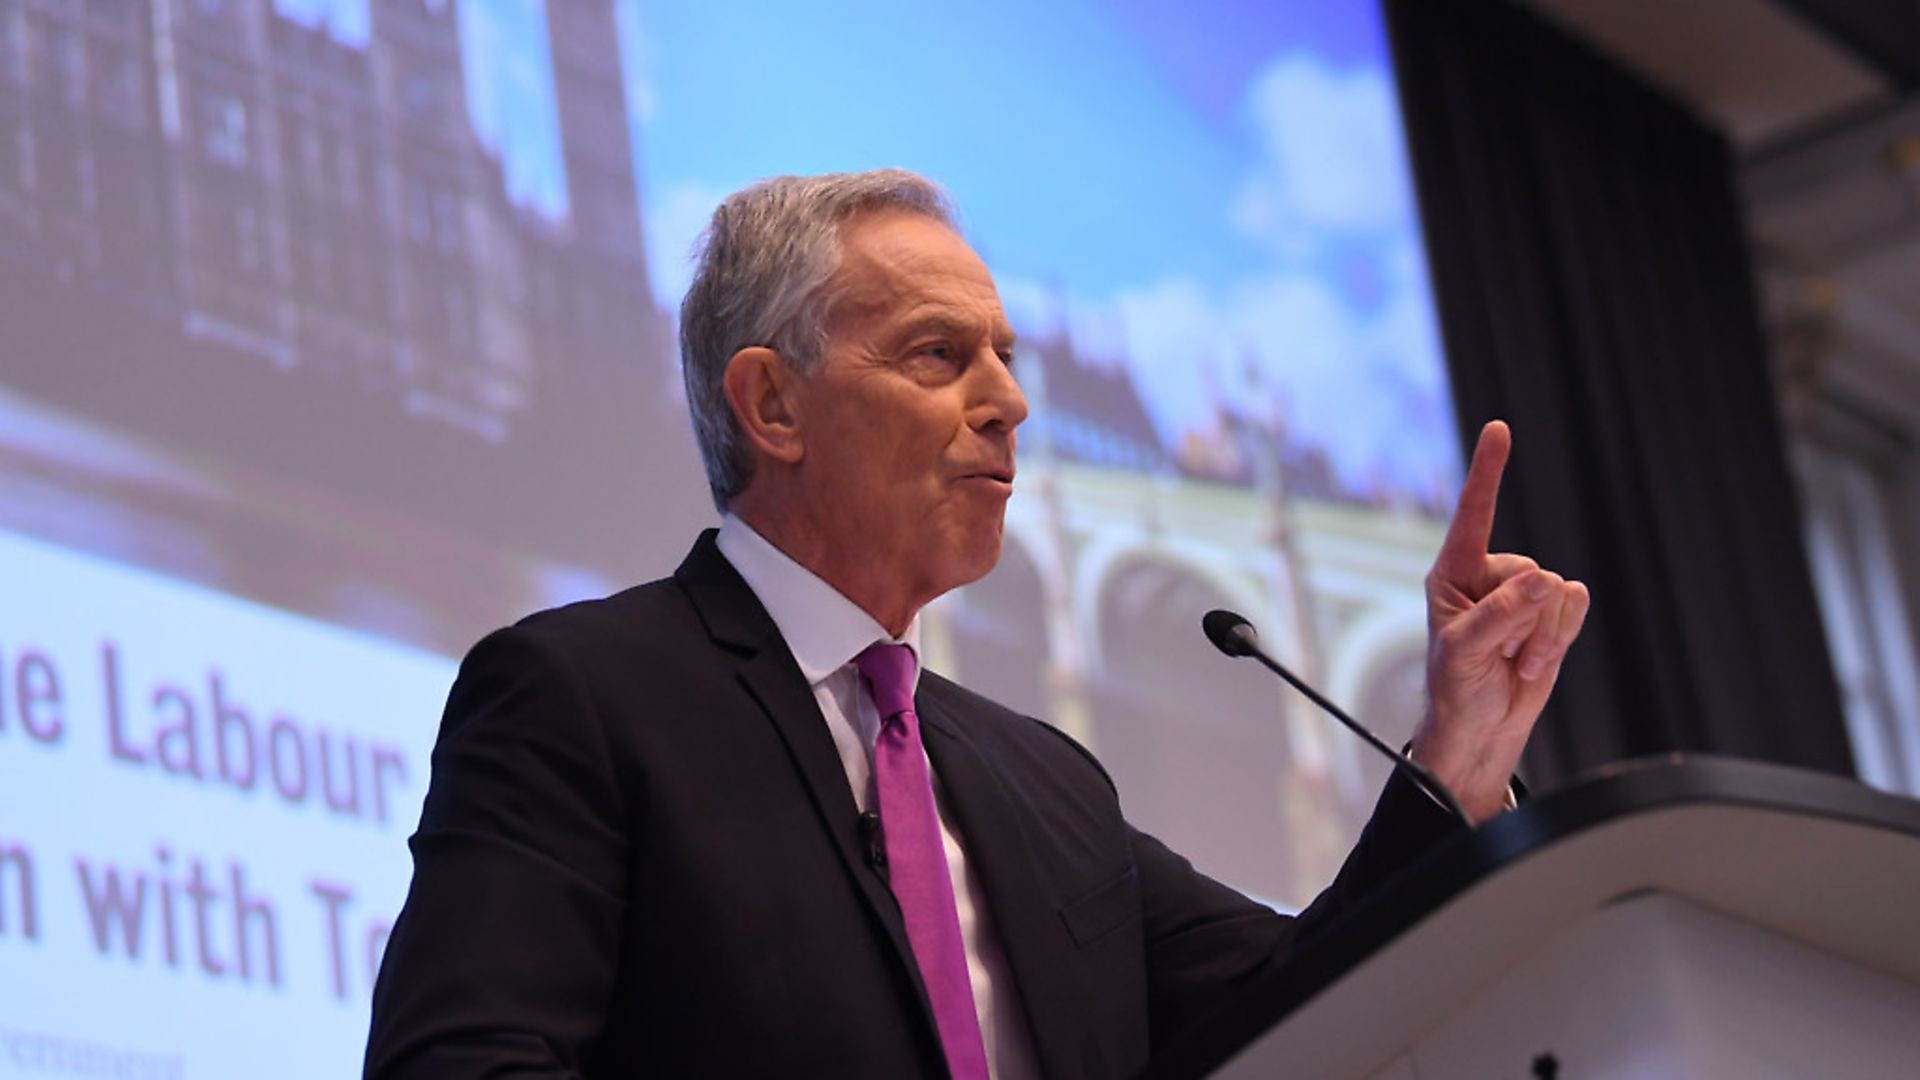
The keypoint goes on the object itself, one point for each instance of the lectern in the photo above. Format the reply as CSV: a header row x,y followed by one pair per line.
x,y
1670,917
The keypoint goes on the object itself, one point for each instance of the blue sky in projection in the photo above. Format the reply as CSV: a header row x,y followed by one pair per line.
x,y
1214,195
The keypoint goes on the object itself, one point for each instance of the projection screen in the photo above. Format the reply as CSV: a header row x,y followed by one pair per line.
x,y
335,333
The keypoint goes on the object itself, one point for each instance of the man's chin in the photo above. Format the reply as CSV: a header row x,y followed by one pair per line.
x,y
977,557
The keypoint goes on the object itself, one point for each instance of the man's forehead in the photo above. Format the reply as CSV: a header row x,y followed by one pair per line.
x,y
908,309
907,242
912,266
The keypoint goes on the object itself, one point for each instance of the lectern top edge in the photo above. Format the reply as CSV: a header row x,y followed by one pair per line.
x,y
1609,796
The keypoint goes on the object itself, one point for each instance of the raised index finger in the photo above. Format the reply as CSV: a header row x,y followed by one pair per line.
x,y
1465,548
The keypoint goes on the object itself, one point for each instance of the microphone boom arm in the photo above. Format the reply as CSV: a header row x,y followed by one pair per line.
x,y
1232,634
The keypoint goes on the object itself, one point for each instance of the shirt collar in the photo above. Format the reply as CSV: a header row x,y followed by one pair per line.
x,y
823,629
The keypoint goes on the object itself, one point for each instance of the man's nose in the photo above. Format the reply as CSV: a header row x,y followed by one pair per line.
x,y
998,398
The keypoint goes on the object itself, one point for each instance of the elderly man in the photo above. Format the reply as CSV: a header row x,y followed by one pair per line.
x,y
724,825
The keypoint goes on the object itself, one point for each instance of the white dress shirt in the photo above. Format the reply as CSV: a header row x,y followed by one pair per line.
x,y
825,631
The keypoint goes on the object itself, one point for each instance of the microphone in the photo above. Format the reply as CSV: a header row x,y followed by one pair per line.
x,y
873,840
1232,634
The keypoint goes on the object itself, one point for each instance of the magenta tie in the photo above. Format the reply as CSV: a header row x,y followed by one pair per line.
x,y
917,861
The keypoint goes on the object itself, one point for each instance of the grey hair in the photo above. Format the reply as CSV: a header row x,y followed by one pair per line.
x,y
762,272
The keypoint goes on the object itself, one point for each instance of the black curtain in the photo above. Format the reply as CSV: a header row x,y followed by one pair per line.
x,y
1594,289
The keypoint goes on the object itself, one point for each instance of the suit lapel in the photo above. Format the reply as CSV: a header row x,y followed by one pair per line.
x,y
738,623
992,829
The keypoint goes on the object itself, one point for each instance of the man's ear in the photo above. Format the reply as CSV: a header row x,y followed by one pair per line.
x,y
764,393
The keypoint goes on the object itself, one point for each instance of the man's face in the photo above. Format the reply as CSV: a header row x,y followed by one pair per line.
x,y
909,421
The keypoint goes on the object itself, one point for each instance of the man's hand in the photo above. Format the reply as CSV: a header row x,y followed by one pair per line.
x,y
1497,628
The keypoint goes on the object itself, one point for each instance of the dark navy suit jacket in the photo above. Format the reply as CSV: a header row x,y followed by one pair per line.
x,y
639,856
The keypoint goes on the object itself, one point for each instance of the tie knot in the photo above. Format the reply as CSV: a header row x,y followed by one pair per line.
x,y
889,669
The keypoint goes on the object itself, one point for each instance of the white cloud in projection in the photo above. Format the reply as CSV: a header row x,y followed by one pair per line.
x,y
1332,155
1356,370
1366,386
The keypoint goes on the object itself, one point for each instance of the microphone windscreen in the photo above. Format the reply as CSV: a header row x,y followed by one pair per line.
x,y
1229,631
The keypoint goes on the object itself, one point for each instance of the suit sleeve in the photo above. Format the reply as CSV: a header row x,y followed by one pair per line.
x,y
1205,941
503,959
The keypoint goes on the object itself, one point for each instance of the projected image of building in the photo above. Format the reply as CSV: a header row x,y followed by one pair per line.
x,y
242,236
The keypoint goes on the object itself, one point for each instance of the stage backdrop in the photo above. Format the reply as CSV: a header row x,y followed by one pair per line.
x,y
334,333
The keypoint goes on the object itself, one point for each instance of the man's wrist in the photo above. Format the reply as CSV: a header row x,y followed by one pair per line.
x,y
1509,799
